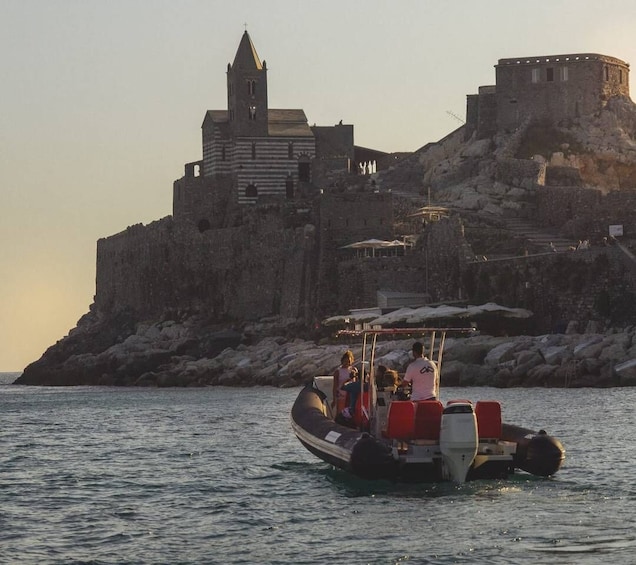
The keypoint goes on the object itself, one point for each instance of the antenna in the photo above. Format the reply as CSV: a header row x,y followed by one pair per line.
x,y
452,114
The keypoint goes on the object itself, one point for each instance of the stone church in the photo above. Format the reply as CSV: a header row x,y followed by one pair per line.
x,y
253,153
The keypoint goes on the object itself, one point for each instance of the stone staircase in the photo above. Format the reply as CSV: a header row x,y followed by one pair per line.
x,y
522,228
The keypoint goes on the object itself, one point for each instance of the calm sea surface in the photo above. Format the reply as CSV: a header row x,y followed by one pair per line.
x,y
215,475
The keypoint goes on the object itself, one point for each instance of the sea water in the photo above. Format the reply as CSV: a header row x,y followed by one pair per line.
x,y
215,475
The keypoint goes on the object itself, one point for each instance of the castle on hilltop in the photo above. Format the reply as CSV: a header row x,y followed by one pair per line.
x,y
553,88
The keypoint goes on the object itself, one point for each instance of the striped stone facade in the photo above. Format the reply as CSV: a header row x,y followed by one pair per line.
x,y
255,151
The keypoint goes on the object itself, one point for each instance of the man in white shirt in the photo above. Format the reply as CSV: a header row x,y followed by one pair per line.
x,y
422,374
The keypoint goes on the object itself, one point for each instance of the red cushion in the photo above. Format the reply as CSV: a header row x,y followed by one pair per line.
x,y
400,419
359,417
428,419
488,413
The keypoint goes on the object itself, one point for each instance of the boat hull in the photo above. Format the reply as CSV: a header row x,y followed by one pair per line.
x,y
369,458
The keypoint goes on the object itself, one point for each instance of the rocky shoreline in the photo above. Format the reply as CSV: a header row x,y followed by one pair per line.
x,y
185,354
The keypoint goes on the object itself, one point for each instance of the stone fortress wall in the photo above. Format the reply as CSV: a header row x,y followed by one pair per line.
x,y
240,273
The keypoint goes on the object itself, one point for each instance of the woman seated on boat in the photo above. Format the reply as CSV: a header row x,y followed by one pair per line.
x,y
344,373
386,378
352,388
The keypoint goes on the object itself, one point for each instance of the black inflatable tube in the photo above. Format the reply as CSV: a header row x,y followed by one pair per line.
x,y
537,452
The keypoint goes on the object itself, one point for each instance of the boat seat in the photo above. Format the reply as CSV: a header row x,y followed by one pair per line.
x,y
400,420
458,401
360,413
488,413
428,419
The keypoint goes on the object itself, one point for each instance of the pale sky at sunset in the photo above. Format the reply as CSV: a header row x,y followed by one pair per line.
x,y
102,104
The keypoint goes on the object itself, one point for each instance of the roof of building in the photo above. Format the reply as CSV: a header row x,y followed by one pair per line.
x,y
288,123
281,123
216,115
552,59
246,55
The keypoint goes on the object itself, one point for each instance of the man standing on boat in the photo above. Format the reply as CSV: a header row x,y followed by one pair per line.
x,y
422,374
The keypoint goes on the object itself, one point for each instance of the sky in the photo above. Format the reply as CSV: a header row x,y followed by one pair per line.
x,y
101,105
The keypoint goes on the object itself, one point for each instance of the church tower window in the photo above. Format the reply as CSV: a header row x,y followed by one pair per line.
x,y
251,191
251,87
290,150
252,112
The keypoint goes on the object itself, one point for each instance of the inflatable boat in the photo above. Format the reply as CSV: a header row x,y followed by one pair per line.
x,y
392,437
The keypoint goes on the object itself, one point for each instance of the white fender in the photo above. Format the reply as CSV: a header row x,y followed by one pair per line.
x,y
458,440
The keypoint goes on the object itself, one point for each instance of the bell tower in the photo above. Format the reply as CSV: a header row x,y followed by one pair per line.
x,y
247,92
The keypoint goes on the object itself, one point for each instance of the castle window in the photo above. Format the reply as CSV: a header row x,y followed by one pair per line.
x,y
536,75
253,150
564,74
549,74
620,76
251,191
290,150
606,69
251,87
252,111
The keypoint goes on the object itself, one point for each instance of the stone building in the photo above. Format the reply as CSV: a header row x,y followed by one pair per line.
x,y
252,153
554,87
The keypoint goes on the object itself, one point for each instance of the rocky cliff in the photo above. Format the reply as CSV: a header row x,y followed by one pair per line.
x,y
188,354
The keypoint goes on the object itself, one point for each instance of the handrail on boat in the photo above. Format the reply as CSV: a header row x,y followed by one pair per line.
x,y
373,333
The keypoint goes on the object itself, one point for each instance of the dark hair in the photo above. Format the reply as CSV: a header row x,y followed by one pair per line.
x,y
418,348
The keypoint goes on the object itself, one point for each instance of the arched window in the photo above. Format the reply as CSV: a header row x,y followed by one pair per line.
x,y
252,112
251,191
251,87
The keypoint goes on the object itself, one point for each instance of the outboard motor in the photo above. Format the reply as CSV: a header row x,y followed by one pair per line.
x,y
458,439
